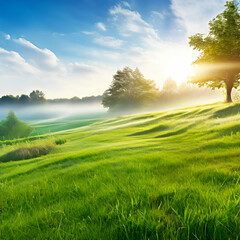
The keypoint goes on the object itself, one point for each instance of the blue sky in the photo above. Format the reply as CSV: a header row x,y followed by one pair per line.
x,y
73,47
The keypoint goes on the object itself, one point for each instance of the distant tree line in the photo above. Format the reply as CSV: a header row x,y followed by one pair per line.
x,y
76,100
38,97
35,97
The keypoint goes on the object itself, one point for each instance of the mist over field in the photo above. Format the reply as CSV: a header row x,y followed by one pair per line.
x,y
56,111
48,112
43,112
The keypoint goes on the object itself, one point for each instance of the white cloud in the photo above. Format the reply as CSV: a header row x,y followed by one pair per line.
x,y
194,15
80,79
88,33
41,58
126,4
130,22
108,41
159,14
13,63
58,34
101,26
105,41
105,55
82,68
7,36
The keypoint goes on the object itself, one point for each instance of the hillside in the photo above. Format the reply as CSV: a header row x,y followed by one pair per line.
x,y
167,175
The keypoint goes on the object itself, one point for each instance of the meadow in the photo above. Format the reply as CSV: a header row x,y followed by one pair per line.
x,y
165,175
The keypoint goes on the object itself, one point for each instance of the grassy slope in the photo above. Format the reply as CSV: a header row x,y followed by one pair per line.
x,y
169,175
66,123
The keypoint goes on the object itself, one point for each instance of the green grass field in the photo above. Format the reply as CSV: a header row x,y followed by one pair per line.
x,y
167,175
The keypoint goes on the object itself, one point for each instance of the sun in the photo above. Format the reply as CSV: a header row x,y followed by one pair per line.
x,y
180,70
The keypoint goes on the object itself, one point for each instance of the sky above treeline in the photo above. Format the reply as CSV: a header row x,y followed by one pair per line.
x,y
73,47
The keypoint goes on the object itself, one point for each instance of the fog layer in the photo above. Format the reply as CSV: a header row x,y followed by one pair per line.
x,y
48,112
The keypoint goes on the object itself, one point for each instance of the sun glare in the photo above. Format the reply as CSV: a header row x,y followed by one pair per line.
x,y
180,70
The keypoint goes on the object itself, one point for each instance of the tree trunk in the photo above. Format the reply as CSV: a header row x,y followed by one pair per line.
x,y
229,87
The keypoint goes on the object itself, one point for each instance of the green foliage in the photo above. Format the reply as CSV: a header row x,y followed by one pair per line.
x,y
9,99
219,60
60,141
24,99
129,90
37,97
12,127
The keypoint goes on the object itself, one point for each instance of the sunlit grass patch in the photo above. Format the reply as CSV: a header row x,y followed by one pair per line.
x,y
116,180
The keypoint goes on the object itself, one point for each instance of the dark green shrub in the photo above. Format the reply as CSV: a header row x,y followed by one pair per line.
x,y
12,127
60,141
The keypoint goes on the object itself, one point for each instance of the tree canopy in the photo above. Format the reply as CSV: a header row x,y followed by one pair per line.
x,y
218,64
129,89
37,97
12,127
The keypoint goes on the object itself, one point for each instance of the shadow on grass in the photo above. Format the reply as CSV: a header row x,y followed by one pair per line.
x,y
228,111
177,132
227,131
142,117
151,130
217,178
156,201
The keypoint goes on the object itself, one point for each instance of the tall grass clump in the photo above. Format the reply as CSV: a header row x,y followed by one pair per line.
x,y
28,151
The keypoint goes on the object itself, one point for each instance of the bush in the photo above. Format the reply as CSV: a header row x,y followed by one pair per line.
x,y
60,141
12,127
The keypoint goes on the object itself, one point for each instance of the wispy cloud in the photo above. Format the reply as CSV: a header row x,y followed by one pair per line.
x,y
58,34
82,68
108,41
195,15
101,26
104,41
161,15
7,36
126,4
88,33
130,22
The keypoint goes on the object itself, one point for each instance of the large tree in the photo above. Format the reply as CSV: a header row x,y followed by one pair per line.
x,y
129,89
219,62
